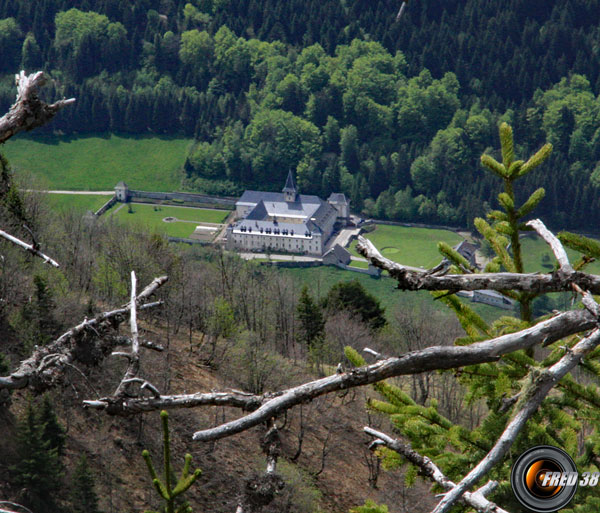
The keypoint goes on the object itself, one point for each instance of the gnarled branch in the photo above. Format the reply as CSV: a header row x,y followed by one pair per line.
x,y
411,279
46,365
28,111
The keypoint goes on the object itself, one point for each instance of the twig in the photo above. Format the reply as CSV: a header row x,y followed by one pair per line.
x,y
132,406
134,357
372,352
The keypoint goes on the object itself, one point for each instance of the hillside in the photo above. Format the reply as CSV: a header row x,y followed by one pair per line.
x,y
113,445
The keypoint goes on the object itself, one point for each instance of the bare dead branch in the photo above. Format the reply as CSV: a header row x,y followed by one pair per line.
x,y
411,279
401,11
132,406
134,357
532,398
260,489
588,301
431,358
30,248
555,245
126,341
28,111
47,364
375,354
430,470
14,505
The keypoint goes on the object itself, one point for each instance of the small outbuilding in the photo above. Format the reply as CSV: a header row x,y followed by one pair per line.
x,y
337,255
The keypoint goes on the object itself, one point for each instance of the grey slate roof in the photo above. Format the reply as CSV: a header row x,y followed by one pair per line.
x,y
269,209
342,255
337,197
276,205
258,213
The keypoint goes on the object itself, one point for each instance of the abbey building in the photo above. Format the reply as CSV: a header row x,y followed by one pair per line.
x,y
286,221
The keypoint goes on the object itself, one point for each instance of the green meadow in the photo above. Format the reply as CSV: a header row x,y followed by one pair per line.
x,y
79,202
537,256
99,162
412,246
150,217
320,279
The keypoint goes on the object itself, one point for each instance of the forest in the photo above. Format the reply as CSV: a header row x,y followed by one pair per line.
x,y
393,114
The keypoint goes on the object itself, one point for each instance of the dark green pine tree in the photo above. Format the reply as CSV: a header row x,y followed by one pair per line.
x,y
44,306
83,496
38,472
53,432
572,408
352,297
312,324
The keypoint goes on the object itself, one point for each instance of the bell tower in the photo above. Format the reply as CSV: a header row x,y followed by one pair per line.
x,y
290,193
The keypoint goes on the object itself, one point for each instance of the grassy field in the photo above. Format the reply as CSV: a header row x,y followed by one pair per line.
x,y
99,162
409,245
537,256
77,202
320,280
152,220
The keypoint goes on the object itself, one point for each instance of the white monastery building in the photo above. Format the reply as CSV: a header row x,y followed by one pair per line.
x,y
286,221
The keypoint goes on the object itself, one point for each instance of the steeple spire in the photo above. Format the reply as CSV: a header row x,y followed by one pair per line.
x,y
290,192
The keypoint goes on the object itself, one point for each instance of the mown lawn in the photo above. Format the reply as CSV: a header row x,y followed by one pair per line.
x,y
412,246
79,202
150,219
99,162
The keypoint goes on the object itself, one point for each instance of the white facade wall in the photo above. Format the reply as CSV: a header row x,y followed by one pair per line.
x,y
261,242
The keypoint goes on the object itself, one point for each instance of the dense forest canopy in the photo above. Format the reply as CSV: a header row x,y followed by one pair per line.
x,y
394,114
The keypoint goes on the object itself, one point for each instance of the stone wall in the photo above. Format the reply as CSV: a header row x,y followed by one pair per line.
x,y
106,206
186,197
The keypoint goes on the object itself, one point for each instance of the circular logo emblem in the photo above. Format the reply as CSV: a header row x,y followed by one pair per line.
x,y
544,479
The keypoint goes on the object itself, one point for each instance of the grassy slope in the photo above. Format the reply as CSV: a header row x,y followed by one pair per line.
x,y
151,219
534,250
75,201
320,280
410,246
99,162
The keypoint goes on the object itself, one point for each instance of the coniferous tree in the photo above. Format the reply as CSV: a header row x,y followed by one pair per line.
x,y
53,432
352,297
502,386
311,319
370,507
83,495
38,472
